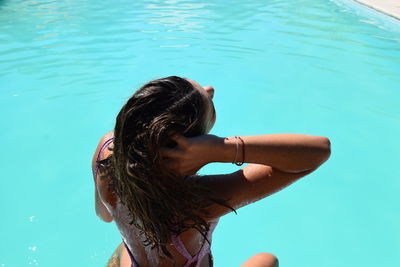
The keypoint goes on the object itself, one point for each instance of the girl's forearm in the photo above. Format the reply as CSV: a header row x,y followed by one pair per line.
x,y
286,152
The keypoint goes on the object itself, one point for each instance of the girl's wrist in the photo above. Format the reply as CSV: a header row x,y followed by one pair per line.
x,y
225,149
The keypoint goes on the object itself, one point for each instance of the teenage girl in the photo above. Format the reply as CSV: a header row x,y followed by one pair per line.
x,y
145,174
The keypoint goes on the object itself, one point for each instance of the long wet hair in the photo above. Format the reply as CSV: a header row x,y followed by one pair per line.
x,y
159,202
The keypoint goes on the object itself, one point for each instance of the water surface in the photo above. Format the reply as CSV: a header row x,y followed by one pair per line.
x,y
318,67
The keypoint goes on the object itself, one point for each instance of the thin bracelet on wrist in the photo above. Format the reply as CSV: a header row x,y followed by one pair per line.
x,y
235,161
243,152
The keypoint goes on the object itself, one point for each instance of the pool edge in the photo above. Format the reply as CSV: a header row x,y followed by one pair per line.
x,y
387,8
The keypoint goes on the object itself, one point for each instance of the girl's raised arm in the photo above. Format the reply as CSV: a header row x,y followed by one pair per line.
x,y
292,153
276,161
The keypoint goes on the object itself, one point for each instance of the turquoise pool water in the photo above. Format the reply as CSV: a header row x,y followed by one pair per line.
x,y
318,67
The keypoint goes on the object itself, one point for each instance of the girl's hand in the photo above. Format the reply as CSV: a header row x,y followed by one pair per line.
x,y
190,154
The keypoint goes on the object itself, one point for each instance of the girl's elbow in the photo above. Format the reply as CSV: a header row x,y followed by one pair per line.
x,y
327,143
325,149
103,214
105,217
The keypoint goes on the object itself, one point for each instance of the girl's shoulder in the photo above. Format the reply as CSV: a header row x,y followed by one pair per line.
x,y
102,151
105,143
102,196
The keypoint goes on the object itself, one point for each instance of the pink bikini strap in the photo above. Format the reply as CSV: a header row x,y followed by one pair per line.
x,y
181,247
105,144
202,252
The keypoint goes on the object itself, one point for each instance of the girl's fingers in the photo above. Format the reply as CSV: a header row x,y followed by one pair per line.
x,y
170,153
192,171
171,164
177,167
180,140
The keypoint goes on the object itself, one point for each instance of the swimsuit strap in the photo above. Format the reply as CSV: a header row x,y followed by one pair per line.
x,y
133,261
177,242
180,246
207,248
105,144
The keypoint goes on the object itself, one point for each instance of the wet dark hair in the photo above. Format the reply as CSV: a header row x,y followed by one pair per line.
x,y
159,202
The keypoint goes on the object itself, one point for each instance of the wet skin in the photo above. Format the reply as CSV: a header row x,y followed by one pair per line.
x,y
275,162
